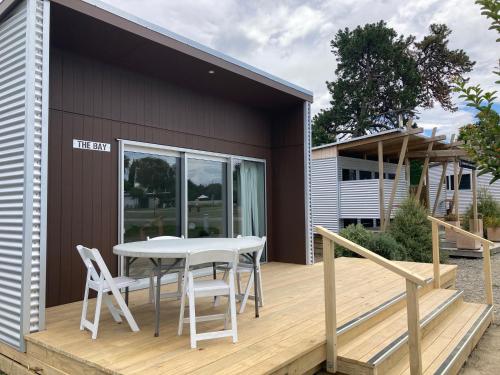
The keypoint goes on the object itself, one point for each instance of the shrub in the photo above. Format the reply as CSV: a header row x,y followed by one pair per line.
x,y
487,207
380,243
385,245
355,233
412,230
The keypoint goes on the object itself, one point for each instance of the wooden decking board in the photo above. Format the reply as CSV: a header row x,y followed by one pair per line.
x,y
290,331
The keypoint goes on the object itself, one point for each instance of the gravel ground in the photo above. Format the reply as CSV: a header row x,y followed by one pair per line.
x,y
485,359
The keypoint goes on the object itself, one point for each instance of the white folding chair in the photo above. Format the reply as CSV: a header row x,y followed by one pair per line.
x,y
209,288
178,269
100,280
247,268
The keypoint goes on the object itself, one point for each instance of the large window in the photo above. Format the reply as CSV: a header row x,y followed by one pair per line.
x,y
177,192
151,199
206,190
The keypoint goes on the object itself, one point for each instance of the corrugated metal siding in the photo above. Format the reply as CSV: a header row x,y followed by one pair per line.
x,y
465,196
325,193
434,177
20,170
307,172
359,198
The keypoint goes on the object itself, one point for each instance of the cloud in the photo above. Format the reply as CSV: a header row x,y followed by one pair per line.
x,y
291,38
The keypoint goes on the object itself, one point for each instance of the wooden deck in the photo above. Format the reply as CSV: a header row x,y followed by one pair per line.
x,y
289,337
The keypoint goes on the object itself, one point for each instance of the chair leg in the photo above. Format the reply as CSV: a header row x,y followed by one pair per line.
x,y
108,301
247,293
232,302
125,310
85,305
238,281
97,313
183,305
192,312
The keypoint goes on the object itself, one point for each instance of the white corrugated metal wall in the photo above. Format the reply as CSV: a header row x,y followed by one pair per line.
x,y
324,182
465,196
307,183
359,198
23,105
435,172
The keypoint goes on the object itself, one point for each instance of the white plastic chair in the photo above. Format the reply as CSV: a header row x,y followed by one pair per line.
x,y
209,288
100,280
246,268
178,269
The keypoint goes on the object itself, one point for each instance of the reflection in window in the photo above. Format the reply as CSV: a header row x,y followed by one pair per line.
x,y
206,190
151,193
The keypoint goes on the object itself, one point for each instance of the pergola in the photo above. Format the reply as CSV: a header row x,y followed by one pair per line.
x,y
402,145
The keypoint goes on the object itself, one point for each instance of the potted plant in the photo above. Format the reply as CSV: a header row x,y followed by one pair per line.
x,y
492,224
451,236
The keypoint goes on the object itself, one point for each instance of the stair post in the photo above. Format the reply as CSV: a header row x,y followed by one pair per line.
x,y
414,333
435,255
330,304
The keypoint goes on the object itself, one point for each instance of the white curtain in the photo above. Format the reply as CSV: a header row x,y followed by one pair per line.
x,y
252,198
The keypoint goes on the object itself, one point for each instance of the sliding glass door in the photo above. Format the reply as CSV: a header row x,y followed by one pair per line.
x,y
207,202
167,191
151,199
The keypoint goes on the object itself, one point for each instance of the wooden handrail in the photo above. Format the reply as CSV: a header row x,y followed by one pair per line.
x,y
412,307
488,282
401,271
460,231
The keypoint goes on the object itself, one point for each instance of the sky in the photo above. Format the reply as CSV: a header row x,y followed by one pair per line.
x,y
291,38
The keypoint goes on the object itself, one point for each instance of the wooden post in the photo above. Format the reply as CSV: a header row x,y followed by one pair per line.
x,y
381,183
396,179
425,167
414,334
456,186
488,283
330,305
440,187
435,255
474,202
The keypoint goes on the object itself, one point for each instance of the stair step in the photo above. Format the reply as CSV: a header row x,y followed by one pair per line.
x,y
447,346
371,348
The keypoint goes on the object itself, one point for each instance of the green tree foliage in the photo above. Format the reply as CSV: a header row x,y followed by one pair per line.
x,y
412,230
487,207
382,75
482,138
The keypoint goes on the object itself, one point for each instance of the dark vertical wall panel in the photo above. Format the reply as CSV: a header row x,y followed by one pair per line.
x,y
288,204
96,101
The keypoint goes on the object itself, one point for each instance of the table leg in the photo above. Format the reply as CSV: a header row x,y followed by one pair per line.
x,y
127,273
157,297
256,284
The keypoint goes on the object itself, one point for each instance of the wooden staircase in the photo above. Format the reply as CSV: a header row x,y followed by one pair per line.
x,y
427,330
450,329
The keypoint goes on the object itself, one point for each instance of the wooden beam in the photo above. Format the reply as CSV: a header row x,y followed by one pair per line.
x,y
396,180
456,190
437,154
417,145
474,198
386,137
440,187
330,304
488,282
381,183
425,166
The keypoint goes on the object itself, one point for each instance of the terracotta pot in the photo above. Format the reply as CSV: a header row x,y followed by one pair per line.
x,y
467,243
493,234
450,235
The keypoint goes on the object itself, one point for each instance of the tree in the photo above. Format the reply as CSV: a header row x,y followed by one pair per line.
x,y
482,138
382,75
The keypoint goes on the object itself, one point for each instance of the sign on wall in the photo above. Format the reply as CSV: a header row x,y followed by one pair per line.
x,y
92,146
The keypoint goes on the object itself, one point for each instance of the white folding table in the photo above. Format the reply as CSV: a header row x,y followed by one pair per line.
x,y
178,249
